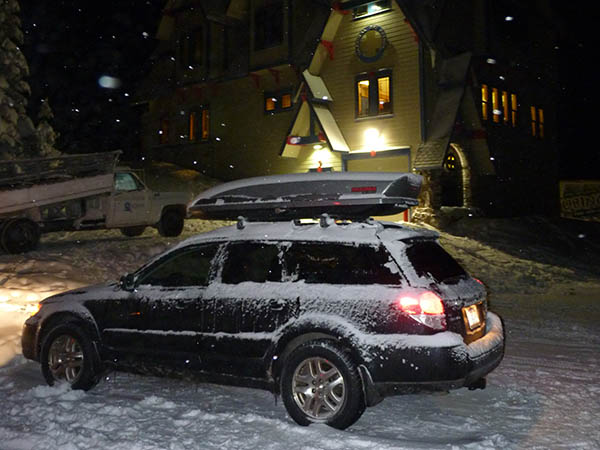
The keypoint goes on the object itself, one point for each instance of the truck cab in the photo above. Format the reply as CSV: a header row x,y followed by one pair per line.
x,y
80,192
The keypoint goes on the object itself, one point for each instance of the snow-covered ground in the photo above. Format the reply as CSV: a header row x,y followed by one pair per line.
x,y
544,279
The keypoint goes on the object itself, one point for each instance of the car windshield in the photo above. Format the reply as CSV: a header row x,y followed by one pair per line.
x,y
429,259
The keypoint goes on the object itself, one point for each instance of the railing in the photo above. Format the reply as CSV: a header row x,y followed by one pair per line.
x,y
44,170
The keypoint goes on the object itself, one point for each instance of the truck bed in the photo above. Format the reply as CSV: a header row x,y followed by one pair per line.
x,y
37,182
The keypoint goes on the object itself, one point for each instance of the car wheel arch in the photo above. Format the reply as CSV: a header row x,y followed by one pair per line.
x,y
64,317
287,345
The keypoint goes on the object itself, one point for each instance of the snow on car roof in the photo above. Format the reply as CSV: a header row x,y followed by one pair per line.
x,y
368,232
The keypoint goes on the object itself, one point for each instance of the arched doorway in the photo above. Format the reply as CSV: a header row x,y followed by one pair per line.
x,y
456,178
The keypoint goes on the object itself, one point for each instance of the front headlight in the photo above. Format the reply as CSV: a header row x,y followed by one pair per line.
x,y
34,309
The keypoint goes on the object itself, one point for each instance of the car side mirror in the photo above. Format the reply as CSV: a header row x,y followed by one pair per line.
x,y
128,282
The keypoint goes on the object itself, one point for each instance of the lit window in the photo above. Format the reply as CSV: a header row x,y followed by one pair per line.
x,y
363,98
537,122
192,125
205,124
495,109
277,102
198,122
374,94
513,108
450,162
372,8
268,25
385,104
505,105
484,101
270,103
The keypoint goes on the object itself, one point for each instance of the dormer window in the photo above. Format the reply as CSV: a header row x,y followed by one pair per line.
x,y
371,8
268,25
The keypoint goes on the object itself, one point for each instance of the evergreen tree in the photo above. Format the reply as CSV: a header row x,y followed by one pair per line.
x,y
18,135
46,134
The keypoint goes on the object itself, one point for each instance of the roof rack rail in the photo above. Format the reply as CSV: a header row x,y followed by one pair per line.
x,y
341,195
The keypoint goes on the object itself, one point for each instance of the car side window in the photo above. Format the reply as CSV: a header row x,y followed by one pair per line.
x,y
126,182
251,261
186,268
340,264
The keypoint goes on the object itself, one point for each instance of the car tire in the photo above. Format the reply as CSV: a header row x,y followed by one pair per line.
x,y
320,384
68,355
133,231
171,223
20,235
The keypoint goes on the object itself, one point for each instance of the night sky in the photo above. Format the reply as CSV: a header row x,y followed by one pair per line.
x,y
70,45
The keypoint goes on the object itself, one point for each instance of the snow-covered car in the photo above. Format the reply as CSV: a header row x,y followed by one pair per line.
x,y
333,316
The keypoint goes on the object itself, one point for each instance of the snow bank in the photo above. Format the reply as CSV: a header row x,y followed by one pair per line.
x,y
543,395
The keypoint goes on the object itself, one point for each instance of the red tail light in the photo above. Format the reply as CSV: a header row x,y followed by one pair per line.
x,y
426,303
426,308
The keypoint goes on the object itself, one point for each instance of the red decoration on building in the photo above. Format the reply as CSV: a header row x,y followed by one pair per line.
x,y
373,153
328,46
198,92
412,30
337,7
320,168
256,78
215,88
322,137
275,74
294,140
181,94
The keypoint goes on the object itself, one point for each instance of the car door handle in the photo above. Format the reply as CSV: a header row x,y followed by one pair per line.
x,y
277,305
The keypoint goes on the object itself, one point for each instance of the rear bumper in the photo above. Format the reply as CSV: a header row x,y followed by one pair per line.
x,y
444,366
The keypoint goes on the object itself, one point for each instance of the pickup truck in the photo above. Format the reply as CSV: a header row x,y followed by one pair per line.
x,y
80,192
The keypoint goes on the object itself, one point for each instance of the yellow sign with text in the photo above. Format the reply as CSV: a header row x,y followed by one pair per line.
x,y
580,200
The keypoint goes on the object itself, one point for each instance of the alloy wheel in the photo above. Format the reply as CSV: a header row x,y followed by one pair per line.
x,y
318,388
65,359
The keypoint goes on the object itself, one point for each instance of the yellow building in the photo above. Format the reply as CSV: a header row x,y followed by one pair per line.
x,y
253,87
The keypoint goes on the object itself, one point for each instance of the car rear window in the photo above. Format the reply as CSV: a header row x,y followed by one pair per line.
x,y
340,264
429,259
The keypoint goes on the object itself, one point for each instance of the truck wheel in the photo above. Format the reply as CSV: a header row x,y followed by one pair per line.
x,y
133,231
171,223
321,384
67,354
20,235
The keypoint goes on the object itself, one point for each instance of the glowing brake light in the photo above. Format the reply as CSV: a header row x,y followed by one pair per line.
x,y
426,303
426,308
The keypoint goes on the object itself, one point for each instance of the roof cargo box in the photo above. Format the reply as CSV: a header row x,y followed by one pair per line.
x,y
342,195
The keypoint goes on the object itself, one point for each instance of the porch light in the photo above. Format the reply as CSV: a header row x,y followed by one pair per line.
x,y
372,138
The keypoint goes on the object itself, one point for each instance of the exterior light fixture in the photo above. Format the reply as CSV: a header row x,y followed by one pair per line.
x,y
372,138
509,18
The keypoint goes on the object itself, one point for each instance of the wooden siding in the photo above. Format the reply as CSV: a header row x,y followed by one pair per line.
x,y
402,57
243,140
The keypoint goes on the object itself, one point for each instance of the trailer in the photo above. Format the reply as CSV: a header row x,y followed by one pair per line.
x,y
80,192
